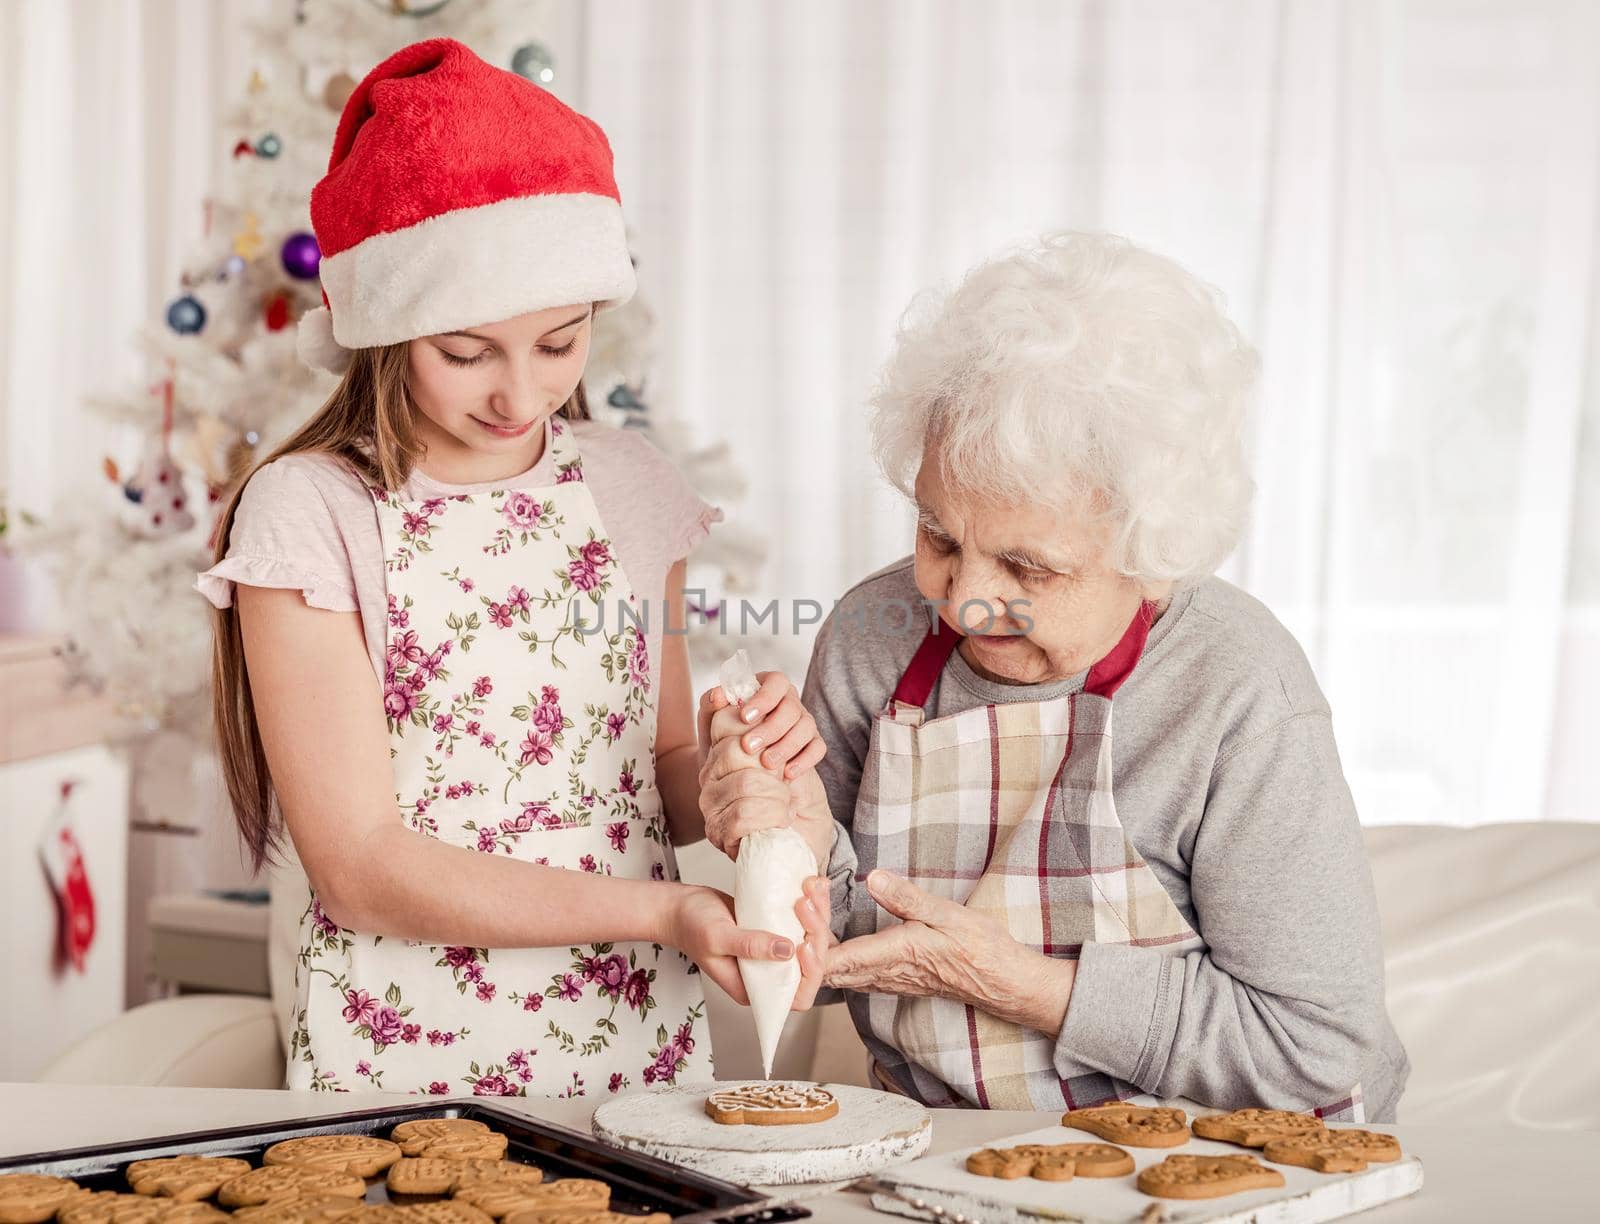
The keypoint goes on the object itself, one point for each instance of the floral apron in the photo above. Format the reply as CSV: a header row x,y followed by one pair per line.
x,y
1008,810
521,723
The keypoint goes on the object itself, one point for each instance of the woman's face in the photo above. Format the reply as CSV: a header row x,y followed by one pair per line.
x,y
483,393
1018,564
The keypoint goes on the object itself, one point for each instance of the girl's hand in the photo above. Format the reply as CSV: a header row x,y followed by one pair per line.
x,y
701,926
772,726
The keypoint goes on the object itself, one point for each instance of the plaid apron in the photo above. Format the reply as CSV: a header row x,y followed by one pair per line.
x,y
1008,810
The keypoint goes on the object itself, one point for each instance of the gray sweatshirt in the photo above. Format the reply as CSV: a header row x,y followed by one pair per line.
x,y
1228,783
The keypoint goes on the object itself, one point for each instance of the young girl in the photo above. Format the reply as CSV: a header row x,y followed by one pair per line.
x,y
446,594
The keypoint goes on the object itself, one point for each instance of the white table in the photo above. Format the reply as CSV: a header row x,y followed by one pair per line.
x,y
1472,1174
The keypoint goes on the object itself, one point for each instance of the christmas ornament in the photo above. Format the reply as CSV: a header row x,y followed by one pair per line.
x,y
232,267
62,856
277,311
249,243
301,256
534,61
338,90
243,149
186,316
269,145
157,487
409,8
257,82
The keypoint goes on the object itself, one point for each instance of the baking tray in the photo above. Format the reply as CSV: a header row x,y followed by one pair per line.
x,y
638,1183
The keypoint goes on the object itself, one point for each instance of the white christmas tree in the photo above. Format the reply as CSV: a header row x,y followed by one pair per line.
x,y
230,386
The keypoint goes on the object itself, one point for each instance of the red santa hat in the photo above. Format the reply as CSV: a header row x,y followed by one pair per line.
x,y
458,194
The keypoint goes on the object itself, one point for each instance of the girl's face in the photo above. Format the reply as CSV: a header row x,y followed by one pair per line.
x,y
483,393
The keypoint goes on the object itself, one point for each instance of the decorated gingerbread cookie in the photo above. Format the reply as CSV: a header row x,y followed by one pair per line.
x,y
775,1104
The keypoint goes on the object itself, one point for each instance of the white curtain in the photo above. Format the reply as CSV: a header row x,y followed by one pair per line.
x,y
1398,197
109,120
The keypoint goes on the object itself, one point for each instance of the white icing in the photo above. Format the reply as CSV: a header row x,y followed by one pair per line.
x,y
767,878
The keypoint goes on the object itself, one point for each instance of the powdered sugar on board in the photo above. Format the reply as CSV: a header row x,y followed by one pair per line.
x,y
1304,1198
871,1131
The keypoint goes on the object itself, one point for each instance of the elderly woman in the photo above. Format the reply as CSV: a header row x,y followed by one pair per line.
x,y
1031,912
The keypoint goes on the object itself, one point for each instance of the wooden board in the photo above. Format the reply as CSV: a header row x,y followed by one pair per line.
x,y
871,1131
1304,1198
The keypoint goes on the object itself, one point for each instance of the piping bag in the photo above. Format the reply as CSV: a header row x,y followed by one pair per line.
x,y
768,875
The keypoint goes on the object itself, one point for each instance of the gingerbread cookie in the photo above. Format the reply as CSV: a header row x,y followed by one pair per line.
x,y
377,1213
1089,1159
772,1105
1051,1161
500,1196
113,1207
449,1138
593,1215
1334,1151
566,1194
446,1211
1006,1163
1255,1127
1201,1177
184,1179
472,1171
1131,1125
193,1213
307,1209
363,1155
32,1198
274,1183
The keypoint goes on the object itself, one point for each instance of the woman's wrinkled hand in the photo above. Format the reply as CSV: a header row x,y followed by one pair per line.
x,y
942,950
739,794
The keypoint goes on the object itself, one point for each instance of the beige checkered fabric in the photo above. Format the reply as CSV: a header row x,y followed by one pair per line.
x,y
1008,810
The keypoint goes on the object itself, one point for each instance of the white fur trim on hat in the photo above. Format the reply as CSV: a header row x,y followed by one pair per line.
x,y
479,265
313,340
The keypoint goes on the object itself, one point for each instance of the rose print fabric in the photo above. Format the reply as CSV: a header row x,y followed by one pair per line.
x,y
522,721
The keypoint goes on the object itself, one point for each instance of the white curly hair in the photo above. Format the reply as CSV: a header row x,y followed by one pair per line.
x,y
1081,370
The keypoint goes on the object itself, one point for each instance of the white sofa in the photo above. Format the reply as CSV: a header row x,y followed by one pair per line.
x,y
1491,936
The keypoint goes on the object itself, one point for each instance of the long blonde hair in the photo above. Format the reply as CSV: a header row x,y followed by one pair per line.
x,y
369,422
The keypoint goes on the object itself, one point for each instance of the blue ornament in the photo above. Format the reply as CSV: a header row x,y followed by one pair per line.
x,y
135,495
622,396
301,256
232,267
269,145
186,316
534,61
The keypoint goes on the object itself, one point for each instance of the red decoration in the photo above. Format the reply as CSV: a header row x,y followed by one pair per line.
x,y
278,312
242,148
63,864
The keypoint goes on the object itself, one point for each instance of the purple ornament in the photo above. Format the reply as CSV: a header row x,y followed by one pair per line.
x,y
301,256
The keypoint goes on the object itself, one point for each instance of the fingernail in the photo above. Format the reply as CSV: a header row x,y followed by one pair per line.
x,y
782,949
751,714
752,743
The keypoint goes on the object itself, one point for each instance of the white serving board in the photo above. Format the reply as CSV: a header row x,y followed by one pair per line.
x,y
871,1131
1305,1197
